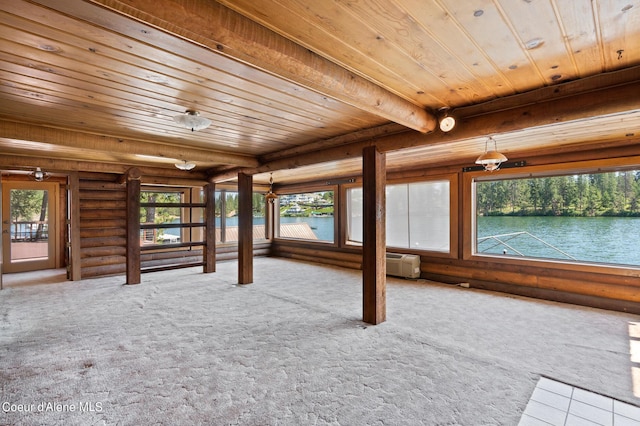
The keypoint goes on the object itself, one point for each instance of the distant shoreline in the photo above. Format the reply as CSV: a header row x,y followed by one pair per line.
x,y
552,214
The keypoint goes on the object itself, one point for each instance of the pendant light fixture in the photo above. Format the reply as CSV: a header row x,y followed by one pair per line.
x,y
191,120
270,197
491,160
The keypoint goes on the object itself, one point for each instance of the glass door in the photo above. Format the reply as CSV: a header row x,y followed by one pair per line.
x,y
28,226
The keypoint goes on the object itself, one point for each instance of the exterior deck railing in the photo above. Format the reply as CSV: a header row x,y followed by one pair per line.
x,y
29,231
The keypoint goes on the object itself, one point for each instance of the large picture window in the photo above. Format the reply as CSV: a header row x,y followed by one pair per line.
x,y
227,216
417,215
593,217
307,216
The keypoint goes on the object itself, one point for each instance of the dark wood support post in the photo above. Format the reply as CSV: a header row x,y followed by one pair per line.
x,y
245,228
210,228
74,250
223,210
374,266
133,226
2,228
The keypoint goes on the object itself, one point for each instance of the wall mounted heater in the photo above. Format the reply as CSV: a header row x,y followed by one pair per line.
x,y
403,265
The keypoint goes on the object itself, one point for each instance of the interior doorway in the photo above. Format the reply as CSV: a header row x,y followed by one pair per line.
x,y
29,218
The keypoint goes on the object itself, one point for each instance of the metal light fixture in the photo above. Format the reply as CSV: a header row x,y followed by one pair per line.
x,y
270,197
491,160
447,122
38,175
185,165
191,120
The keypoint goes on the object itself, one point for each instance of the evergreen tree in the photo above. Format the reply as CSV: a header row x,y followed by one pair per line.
x,y
612,193
535,193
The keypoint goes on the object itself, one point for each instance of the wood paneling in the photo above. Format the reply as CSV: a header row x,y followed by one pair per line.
x,y
566,124
317,253
289,84
172,259
129,79
102,223
453,53
485,272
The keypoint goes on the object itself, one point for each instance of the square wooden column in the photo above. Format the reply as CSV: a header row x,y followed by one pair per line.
x,y
1,228
75,268
374,245
209,253
133,226
245,228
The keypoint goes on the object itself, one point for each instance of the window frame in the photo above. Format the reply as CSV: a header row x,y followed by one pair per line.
x,y
304,190
539,171
223,242
453,180
189,230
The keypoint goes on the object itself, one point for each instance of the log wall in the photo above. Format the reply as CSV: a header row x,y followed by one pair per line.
x,y
103,224
103,231
617,290
317,253
180,258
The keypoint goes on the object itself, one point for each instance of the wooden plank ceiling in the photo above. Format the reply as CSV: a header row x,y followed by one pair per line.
x,y
298,87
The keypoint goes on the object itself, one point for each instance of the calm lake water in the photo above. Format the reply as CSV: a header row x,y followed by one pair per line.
x,y
593,239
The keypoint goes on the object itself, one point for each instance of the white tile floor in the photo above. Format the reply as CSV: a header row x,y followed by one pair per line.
x,y
559,404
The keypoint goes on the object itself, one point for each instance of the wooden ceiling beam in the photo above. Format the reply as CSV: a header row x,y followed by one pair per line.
x,y
575,107
150,175
226,32
361,135
91,142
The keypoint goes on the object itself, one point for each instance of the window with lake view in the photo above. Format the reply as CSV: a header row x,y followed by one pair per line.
x,y
591,217
307,216
227,216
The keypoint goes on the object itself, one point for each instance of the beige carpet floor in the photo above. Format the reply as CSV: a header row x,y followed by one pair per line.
x,y
290,349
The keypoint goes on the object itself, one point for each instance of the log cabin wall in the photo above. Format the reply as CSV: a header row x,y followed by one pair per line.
x,y
103,227
103,233
318,253
613,287
178,258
